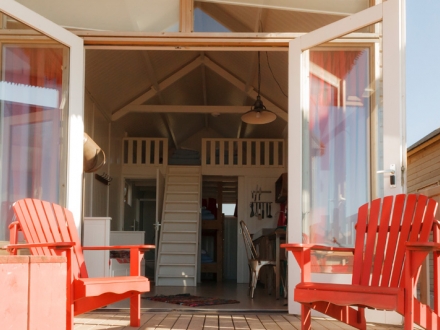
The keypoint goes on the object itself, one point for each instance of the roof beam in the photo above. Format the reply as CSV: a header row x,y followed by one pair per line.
x,y
334,7
186,22
239,84
205,94
208,109
152,92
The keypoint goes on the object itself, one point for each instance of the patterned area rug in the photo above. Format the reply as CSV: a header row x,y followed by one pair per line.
x,y
186,299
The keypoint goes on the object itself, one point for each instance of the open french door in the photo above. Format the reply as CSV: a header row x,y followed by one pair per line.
x,y
42,80
346,130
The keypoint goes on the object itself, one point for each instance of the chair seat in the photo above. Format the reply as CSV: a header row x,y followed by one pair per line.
x,y
385,298
90,287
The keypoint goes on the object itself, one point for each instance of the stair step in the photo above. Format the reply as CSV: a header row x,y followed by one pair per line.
x,y
177,264
181,217
182,221
175,276
178,242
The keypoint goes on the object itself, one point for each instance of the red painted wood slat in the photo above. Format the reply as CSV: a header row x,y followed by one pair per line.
x,y
361,228
46,235
28,227
382,238
369,248
408,216
394,228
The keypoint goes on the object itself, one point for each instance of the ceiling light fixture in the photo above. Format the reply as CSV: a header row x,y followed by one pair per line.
x,y
258,113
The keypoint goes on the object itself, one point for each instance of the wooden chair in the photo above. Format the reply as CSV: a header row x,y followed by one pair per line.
x,y
254,261
49,229
391,244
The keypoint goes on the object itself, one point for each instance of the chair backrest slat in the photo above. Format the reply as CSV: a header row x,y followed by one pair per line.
x,y
384,226
361,228
382,237
24,216
370,241
42,227
393,236
44,222
74,237
405,229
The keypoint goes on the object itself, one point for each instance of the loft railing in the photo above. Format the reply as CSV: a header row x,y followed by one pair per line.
x,y
255,153
145,151
243,152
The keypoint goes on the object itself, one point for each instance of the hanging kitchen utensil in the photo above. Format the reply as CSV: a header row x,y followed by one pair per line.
x,y
262,211
259,211
252,210
270,211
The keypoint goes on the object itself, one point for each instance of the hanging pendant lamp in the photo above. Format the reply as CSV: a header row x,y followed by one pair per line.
x,y
258,113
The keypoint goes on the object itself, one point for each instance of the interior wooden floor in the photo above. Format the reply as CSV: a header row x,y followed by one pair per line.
x,y
227,290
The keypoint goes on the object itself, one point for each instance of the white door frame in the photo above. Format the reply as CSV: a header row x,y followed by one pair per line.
x,y
73,185
391,13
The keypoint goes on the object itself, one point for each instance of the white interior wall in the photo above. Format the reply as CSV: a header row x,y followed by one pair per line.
x,y
114,159
88,177
97,126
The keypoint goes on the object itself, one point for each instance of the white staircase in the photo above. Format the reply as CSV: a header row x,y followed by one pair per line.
x,y
179,236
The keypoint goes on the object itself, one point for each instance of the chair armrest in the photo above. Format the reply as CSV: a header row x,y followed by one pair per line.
x,y
142,248
427,246
298,247
417,252
56,245
136,254
302,254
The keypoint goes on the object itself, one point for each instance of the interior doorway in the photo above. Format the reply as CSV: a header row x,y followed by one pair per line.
x,y
140,215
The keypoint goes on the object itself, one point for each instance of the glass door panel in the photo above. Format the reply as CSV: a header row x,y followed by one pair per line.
x,y
33,103
336,147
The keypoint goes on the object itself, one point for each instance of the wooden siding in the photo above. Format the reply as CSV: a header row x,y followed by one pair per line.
x,y
424,166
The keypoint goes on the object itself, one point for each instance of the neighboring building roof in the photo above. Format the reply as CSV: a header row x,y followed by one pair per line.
x,y
424,139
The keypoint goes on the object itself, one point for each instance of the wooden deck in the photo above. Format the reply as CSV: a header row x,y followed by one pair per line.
x,y
199,321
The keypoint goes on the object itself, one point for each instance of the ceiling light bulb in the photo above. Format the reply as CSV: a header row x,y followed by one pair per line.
x,y
258,114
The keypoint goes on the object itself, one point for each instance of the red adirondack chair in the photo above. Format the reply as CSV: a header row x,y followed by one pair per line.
x,y
49,229
392,237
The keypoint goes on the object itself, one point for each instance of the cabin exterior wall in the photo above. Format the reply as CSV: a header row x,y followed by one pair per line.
x,y
423,165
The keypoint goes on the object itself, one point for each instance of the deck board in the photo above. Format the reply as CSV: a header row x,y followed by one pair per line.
x,y
183,322
225,322
197,321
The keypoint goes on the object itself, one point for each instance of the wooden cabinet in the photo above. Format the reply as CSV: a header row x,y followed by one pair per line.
x,y
97,233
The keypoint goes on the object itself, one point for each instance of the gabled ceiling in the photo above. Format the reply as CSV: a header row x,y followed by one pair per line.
x,y
164,93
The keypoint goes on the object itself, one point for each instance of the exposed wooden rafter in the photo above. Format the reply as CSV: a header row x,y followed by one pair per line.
x,y
205,94
161,86
153,78
138,106
186,22
208,109
241,85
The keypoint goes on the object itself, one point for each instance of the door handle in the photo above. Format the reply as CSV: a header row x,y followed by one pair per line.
x,y
392,171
